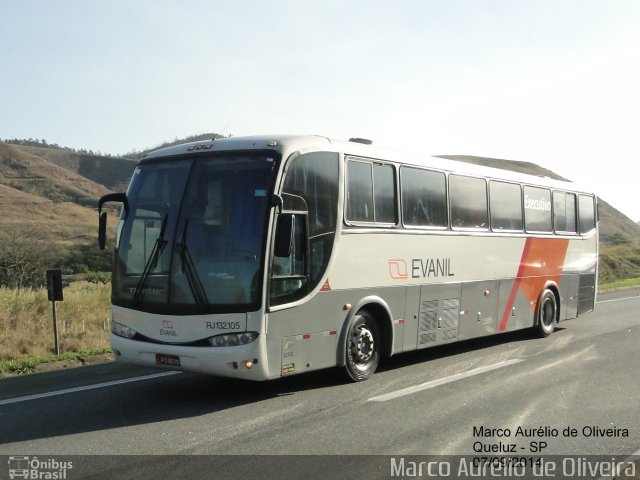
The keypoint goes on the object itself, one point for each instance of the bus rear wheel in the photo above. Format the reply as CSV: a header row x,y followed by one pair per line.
x,y
547,314
362,352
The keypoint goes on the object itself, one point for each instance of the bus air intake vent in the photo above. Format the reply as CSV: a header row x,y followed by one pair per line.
x,y
450,318
449,335
428,321
426,338
428,304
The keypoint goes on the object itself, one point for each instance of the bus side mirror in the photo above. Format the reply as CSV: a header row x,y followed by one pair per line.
x,y
284,236
102,230
102,216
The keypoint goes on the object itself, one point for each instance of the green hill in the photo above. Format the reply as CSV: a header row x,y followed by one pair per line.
x,y
54,192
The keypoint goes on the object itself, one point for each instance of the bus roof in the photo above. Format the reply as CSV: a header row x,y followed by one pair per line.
x,y
286,144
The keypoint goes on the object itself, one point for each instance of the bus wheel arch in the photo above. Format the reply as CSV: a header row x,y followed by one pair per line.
x,y
366,336
547,310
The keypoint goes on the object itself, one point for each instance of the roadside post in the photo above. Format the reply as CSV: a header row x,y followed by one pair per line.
x,y
54,293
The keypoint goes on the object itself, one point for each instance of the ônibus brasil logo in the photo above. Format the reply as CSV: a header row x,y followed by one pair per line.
x,y
35,468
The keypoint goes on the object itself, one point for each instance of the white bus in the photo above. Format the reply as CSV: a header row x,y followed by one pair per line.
x,y
260,257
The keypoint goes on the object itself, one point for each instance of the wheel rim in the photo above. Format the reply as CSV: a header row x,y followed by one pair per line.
x,y
548,312
362,345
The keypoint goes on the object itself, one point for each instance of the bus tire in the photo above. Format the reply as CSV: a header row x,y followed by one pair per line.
x,y
362,352
547,314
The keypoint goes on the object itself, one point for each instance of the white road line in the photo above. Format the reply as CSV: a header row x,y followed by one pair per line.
x,y
619,299
441,381
85,387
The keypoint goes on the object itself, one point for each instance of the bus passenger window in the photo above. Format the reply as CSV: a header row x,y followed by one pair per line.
x,y
468,202
564,212
384,194
586,213
359,192
371,193
537,210
424,197
506,206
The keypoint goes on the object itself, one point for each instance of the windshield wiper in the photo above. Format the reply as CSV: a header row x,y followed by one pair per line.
x,y
189,269
158,246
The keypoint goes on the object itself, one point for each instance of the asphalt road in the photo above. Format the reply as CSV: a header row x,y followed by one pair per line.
x,y
581,386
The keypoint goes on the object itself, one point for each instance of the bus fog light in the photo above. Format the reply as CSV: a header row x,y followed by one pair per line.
x,y
248,364
122,330
233,339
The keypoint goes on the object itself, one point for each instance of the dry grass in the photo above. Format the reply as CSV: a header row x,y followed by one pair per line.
x,y
26,325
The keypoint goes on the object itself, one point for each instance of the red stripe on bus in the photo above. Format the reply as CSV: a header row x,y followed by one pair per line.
x,y
514,289
542,260
306,336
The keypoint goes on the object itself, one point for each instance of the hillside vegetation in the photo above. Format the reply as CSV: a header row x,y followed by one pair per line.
x,y
619,261
53,193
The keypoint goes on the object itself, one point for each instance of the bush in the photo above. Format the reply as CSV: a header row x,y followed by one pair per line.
x,y
98,277
26,325
24,259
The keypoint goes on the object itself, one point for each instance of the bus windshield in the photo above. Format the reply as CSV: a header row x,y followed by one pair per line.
x,y
193,238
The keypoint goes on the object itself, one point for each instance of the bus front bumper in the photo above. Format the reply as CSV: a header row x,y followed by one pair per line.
x,y
242,361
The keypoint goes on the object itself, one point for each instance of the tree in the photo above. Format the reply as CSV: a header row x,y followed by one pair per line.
x,y
24,259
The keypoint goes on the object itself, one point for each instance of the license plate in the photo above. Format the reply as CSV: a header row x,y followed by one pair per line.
x,y
168,360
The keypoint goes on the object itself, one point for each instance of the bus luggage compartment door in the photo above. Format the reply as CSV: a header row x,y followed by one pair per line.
x,y
479,308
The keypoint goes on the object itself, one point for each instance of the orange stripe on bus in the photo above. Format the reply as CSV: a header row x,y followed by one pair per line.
x,y
542,261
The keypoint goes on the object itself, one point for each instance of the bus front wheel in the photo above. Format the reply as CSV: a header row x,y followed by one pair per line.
x,y
362,352
547,313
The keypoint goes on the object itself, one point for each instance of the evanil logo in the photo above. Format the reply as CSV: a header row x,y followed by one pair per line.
x,y
533,204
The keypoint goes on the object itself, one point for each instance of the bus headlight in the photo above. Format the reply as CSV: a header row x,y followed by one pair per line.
x,y
233,339
122,330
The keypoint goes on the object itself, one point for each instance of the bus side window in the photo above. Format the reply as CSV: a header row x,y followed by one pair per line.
x,y
586,213
506,206
424,197
312,177
468,202
289,274
537,210
564,212
371,193
359,192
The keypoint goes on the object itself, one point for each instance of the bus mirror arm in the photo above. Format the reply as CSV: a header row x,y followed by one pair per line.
x,y
102,230
277,202
102,216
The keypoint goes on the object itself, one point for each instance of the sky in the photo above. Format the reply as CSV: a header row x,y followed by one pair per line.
x,y
554,82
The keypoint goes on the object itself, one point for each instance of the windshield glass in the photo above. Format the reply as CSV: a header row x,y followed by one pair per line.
x,y
193,241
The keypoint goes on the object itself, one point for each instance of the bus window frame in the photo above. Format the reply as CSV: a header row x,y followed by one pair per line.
x,y
575,212
371,161
450,204
409,226
504,230
551,231
595,214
